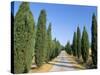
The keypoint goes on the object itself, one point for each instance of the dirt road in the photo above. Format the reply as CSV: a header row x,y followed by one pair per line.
x,y
64,62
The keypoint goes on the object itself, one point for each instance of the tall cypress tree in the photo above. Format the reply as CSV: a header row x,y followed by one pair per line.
x,y
40,45
74,45
78,42
94,40
23,39
85,45
49,42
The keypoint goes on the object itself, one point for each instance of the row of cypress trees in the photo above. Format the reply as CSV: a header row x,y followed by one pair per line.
x,y
45,48
30,41
80,44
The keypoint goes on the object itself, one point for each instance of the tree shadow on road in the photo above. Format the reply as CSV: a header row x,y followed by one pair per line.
x,y
70,62
67,66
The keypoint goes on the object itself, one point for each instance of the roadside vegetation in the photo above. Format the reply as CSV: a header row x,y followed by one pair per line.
x,y
85,52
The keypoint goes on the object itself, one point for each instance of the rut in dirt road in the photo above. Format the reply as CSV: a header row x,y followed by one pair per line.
x,y
64,62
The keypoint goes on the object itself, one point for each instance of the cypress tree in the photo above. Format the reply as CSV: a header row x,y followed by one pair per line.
x,y
58,47
52,52
85,45
68,48
23,39
74,45
78,42
94,40
49,39
55,49
40,45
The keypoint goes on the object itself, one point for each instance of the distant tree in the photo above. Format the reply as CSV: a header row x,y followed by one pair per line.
x,y
40,45
94,40
85,45
74,45
55,50
62,47
52,52
49,42
58,48
68,48
78,42
23,39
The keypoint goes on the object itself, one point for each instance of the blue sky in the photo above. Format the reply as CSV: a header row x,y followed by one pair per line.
x,y
64,18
